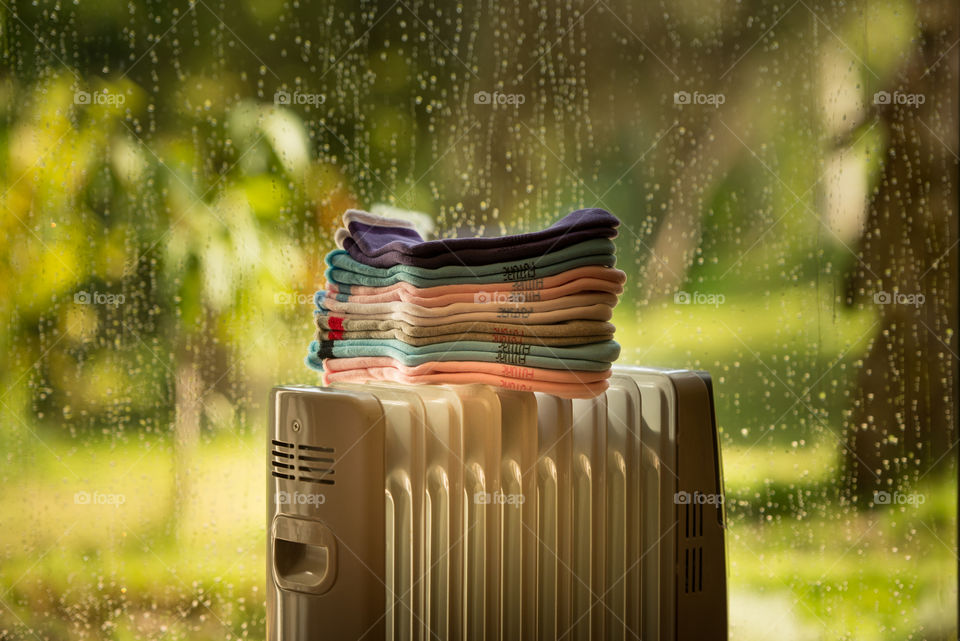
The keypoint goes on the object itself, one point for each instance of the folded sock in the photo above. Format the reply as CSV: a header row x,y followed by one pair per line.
x,y
591,272
418,341
366,218
453,367
341,259
315,360
537,291
593,357
577,327
345,272
374,236
508,316
507,376
474,257
483,303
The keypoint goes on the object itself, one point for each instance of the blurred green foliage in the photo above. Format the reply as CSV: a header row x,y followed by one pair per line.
x,y
208,208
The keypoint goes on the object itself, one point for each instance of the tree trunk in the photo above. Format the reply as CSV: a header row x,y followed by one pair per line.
x,y
902,426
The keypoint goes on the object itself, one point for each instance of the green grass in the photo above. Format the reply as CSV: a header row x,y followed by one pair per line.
x,y
146,570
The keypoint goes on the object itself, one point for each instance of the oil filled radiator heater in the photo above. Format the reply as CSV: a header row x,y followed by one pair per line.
x,y
473,512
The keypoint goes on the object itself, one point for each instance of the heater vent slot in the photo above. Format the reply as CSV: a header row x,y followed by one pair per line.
x,y
299,462
295,459
320,468
693,520
317,459
315,448
693,570
285,467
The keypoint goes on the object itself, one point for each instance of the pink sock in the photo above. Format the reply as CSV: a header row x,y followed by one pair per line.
x,y
570,377
469,294
563,390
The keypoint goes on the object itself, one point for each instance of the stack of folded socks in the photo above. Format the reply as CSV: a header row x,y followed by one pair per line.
x,y
530,311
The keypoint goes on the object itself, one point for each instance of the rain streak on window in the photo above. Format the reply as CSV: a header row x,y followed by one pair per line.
x,y
172,173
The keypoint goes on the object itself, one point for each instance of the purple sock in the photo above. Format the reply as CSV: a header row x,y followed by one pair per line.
x,y
473,257
385,246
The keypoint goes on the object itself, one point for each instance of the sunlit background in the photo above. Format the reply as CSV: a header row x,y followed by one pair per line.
x,y
172,173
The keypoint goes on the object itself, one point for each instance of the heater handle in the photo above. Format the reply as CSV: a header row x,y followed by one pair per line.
x,y
304,555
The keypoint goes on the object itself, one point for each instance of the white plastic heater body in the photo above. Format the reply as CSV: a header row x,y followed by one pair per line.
x,y
472,512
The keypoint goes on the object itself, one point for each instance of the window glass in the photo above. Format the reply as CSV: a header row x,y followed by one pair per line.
x,y
172,174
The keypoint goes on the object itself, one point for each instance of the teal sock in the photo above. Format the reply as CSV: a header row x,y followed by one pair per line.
x,y
594,357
